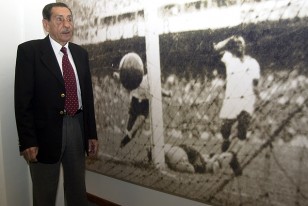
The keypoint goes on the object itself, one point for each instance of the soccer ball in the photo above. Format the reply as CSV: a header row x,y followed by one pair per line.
x,y
131,71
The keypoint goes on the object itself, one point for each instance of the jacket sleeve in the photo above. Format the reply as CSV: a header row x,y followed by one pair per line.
x,y
23,97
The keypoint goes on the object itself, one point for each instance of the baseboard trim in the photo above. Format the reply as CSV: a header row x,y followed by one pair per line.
x,y
99,201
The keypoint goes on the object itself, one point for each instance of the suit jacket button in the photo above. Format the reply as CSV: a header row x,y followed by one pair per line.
x,y
61,112
62,95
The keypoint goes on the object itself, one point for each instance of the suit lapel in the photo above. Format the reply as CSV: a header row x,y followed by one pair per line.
x,y
49,59
76,57
78,63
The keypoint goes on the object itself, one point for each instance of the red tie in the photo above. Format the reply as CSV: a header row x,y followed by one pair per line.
x,y
71,100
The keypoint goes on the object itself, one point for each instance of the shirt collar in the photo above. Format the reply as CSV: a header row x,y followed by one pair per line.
x,y
56,46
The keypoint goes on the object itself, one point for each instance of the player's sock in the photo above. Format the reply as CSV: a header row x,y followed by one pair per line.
x,y
235,165
124,141
225,145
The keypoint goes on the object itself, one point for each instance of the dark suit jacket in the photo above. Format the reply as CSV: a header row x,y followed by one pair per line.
x,y
39,98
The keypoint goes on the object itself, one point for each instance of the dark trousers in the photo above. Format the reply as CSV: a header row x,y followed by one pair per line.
x,y
243,120
137,108
45,177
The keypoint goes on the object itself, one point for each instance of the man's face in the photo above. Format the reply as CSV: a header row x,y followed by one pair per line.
x,y
60,27
239,46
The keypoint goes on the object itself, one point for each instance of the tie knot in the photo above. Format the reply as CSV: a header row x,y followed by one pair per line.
x,y
63,50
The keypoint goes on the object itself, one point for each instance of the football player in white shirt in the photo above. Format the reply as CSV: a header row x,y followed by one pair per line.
x,y
242,76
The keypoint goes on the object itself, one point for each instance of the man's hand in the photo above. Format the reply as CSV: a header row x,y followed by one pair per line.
x,y
166,93
221,45
30,154
116,75
93,147
255,88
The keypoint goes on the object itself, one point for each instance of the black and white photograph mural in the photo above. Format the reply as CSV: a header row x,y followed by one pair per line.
x,y
203,99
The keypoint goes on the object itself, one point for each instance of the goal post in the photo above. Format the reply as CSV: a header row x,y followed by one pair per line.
x,y
154,78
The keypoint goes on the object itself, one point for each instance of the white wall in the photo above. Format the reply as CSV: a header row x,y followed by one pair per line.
x,y
21,21
13,175
11,166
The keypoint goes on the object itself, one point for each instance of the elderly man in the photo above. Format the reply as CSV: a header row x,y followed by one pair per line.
x,y
54,109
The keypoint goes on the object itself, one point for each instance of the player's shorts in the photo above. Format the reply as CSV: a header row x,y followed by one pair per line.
x,y
139,107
